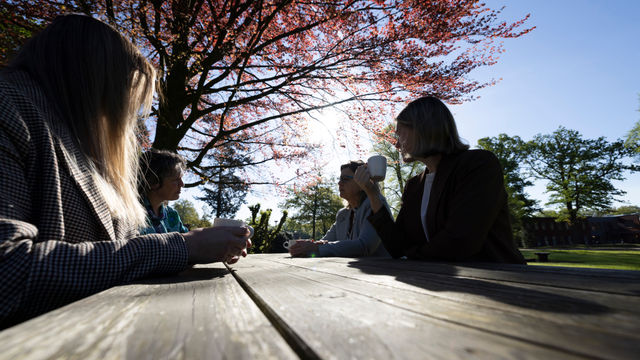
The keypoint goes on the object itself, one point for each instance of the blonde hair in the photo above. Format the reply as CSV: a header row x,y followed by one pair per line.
x,y
434,129
97,81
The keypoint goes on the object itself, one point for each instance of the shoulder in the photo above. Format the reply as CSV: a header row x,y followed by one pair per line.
x,y
477,154
21,102
415,181
366,204
18,87
477,164
16,116
364,210
10,101
342,215
169,210
172,219
475,157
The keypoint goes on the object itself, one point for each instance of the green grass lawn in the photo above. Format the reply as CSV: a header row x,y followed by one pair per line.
x,y
602,259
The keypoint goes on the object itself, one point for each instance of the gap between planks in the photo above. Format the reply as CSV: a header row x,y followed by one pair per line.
x,y
298,345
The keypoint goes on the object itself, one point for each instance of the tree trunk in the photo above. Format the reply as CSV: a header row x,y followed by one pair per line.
x,y
219,197
398,170
315,210
573,220
171,108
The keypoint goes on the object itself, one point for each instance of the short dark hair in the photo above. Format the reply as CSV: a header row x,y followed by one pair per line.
x,y
155,166
435,130
352,165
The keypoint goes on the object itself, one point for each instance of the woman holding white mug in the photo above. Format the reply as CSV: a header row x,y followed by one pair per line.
x,y
456,210
351,235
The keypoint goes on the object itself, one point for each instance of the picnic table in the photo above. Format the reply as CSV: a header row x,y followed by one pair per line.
x,y
275,306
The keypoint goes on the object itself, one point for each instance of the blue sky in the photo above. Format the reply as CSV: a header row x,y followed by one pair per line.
x,y
580,68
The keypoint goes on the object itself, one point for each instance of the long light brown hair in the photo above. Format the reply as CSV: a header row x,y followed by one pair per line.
x,y
434,129
98,81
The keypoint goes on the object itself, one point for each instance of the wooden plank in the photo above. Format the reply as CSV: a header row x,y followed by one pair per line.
x,y
344,317
550,317
520,297
496,286
603,280
203,313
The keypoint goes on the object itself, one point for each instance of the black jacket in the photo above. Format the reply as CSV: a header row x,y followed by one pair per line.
x,y
467,215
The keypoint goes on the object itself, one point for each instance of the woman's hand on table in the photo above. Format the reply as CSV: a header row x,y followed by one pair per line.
x,y
304,248
221,243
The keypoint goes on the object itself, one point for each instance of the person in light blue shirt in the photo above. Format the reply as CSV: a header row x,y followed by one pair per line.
x,y
351,235
161,181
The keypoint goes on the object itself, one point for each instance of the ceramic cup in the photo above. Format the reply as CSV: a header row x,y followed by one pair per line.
x,y
289,243
377,166
232,223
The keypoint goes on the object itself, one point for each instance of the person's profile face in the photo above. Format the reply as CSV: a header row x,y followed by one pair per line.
x,y
347,187
405,139
171,186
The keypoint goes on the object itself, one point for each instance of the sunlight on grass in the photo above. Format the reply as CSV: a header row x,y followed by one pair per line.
x,y
607,266
600,259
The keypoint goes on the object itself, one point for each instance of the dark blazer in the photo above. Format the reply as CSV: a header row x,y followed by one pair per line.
x,y
467,215
58,241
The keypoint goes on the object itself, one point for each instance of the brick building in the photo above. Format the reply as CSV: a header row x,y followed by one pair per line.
x,y
545,231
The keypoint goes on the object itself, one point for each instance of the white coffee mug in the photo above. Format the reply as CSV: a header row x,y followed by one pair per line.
x,y
232,223
377,166
289,243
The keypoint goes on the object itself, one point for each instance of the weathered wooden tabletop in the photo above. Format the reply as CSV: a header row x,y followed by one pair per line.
x,y
273,306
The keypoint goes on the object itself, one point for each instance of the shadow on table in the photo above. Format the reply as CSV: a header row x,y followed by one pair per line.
x,y
191,274
446,279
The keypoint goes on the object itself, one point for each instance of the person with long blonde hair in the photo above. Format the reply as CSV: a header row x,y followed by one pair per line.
x,y
69,207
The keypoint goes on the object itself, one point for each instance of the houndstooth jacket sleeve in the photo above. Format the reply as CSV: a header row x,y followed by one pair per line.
x,y
58,242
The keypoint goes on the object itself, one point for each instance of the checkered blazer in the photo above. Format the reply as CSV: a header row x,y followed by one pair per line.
x,y
58,242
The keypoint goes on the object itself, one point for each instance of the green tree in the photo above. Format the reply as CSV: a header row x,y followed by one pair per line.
x,y
632,140
189,215
15,29
298,228
264,234
579,172
225,195
509,151
622,210
314,208
549,213
398,172
226,191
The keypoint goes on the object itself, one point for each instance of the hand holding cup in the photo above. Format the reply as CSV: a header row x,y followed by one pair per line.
x,y
362,177
215,244
377,166
232,223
